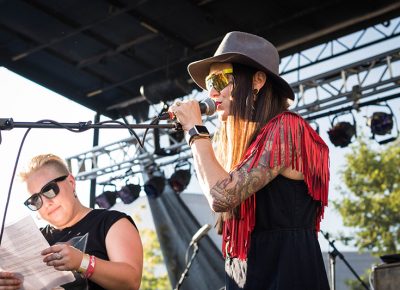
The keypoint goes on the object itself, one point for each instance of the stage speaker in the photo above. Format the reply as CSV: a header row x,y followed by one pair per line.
x,y
387,277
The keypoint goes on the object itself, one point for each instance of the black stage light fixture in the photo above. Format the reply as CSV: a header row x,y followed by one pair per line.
x,y
106,199
154,187
382,123
180,179
129,193
341,133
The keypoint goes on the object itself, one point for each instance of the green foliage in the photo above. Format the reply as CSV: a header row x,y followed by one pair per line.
x,y
152,263
356,284
371,201
154,276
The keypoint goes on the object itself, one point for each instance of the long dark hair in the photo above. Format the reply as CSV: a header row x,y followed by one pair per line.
x,y
250,112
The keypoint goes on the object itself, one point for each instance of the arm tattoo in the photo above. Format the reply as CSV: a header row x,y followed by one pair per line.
x,y
230,192
223,198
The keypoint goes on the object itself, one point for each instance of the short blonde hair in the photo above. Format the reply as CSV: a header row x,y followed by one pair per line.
x,y
43,160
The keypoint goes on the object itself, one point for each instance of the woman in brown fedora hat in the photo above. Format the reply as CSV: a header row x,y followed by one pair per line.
x,y
268,175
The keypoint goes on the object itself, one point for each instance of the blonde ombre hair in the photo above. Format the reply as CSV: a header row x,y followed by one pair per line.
x,y
230,153
44,160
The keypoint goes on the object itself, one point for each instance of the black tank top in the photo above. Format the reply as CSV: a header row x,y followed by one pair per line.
x,y
96,224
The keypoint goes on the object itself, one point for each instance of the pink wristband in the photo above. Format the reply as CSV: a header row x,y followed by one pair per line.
x,y
90,269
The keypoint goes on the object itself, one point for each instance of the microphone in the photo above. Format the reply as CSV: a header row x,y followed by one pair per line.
x,y
200,233
207,107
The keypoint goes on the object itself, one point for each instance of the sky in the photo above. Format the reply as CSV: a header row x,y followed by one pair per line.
x,y
25,101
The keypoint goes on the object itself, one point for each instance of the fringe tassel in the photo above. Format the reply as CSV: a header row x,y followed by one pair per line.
x,y
309,155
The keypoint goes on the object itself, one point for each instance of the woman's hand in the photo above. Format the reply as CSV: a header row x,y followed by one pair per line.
x,y
9,281
187,113
63,257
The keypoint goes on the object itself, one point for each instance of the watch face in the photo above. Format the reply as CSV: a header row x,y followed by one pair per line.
x,y
202,130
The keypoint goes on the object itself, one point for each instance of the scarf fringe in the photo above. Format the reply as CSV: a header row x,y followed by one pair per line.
x,y
309,155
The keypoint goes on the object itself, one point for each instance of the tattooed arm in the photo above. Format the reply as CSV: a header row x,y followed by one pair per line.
x,y
224,190
230,192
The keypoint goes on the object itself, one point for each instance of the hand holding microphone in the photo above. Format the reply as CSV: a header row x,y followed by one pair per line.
x,y
187,113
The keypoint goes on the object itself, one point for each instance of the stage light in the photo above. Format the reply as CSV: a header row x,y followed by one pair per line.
x,y
382,123
106,199
180,179
154,187
341,133
129,193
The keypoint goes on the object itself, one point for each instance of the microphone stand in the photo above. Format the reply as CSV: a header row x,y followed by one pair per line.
x,y
332,263
185,272
8,124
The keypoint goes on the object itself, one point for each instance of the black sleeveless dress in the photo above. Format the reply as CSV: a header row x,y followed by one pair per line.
x,y
284,252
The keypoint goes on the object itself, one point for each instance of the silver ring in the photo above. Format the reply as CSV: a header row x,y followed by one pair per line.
x,y
58,256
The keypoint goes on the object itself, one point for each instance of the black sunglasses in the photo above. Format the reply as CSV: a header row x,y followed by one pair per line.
x,y
50,190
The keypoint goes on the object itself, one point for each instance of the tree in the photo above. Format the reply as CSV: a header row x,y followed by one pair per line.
x,y
154,276
371,202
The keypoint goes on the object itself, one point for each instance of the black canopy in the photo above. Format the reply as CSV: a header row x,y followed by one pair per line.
x,y
107,55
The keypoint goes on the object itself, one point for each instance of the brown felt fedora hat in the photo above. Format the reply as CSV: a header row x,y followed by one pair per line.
x,y
243,48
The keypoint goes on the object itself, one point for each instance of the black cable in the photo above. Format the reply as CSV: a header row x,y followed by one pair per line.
x,y
155,121
11,184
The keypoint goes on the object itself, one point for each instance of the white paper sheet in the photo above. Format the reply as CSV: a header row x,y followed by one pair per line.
x,y
20,253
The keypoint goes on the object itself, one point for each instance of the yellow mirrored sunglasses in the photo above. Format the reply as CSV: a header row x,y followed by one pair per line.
x,y
219,80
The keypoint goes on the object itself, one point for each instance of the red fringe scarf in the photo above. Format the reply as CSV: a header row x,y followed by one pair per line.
x,y
309,155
